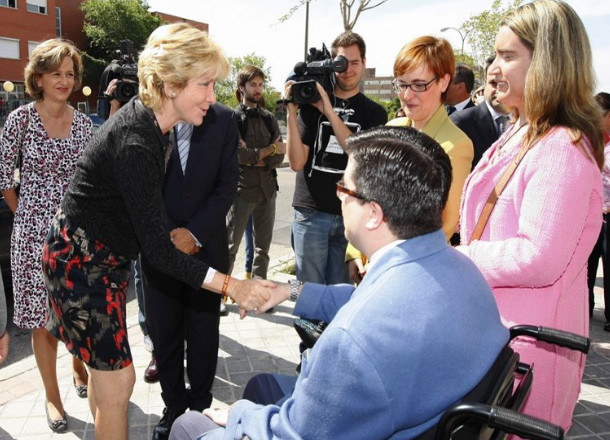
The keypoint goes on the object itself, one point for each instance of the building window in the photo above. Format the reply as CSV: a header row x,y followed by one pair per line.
x,y
9,48
31,46
38,6
9,3
58,22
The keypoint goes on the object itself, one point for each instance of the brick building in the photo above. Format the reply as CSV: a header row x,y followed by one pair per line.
x,y
25,23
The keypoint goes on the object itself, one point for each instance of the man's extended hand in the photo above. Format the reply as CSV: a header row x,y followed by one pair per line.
x,y
184,241
250,295
278,295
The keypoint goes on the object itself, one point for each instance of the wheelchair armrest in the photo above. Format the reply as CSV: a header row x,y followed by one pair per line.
x,y
504,419
553,336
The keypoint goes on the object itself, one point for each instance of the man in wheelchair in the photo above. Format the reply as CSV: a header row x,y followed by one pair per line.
x,y
414,338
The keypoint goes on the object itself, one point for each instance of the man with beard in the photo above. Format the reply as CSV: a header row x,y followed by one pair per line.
x,y
260,152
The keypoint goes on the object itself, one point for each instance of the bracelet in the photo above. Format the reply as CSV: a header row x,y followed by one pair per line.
x,y
295,289
274,150
225,285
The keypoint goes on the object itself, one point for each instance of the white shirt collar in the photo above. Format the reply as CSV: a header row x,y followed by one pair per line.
x,y
381,251
460,105
494,113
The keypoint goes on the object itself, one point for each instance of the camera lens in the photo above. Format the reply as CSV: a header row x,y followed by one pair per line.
x,y
125,90
307,92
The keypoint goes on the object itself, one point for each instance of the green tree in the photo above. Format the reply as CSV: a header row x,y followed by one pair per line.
x,y
106,24
481,29
348,14
225,89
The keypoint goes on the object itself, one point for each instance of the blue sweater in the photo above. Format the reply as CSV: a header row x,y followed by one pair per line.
x,y
416,336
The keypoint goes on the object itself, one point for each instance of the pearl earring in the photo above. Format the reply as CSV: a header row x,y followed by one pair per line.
x,y
173,95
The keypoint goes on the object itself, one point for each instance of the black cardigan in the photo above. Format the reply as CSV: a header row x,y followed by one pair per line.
x,y
116,193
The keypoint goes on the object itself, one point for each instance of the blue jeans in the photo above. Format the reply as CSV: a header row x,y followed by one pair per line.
x,y
319,244
249,246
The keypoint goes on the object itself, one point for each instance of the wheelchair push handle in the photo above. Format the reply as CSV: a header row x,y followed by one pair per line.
x,y
553,336
516,423
504,419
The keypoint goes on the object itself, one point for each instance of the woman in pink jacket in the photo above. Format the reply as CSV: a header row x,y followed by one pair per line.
x,y
533,249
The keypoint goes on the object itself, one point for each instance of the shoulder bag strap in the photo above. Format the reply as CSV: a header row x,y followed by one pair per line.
x,y
495,194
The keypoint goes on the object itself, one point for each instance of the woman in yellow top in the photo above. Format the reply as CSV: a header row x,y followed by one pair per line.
x,y
423,70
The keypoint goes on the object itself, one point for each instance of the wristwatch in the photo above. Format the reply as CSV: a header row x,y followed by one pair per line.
x,y
295,289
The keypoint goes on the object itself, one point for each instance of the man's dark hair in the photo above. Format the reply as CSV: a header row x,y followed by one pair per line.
x,y
603,99
347,39
406,172
488,62
464,74
246,74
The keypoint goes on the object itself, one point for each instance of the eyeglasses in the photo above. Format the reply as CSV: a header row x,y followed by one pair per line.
x,y
416,86
342,189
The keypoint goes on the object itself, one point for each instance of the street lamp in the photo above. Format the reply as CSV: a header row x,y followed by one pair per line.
x,y
463,36
87,91
8,86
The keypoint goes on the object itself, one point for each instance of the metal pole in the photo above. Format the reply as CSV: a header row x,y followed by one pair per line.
x,y
306,29
462,36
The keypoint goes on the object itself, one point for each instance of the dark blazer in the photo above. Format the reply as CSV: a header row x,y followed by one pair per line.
x,y
479,126
199,199
469,105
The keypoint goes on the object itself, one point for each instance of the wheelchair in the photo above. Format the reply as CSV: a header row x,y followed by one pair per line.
x,y
491,411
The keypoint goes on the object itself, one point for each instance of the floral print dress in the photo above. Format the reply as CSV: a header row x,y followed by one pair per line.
x,y
47,165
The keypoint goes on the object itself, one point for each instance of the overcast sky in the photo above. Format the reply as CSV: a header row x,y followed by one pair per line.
x,y
245,26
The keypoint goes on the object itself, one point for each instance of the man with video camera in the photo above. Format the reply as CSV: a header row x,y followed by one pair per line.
x,y
120,76
315,149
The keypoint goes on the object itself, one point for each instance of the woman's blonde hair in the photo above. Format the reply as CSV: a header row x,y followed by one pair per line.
x,y
174,54
47,57
560,82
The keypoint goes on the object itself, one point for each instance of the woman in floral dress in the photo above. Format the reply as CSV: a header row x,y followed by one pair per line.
x,y
45,139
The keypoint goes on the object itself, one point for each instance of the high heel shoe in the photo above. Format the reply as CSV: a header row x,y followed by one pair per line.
x,y
81,390
59,425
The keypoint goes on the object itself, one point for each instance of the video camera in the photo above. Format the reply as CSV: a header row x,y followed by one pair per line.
x,y
125,69
320,67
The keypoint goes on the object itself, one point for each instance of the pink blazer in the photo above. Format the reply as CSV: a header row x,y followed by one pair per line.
x,y
534,251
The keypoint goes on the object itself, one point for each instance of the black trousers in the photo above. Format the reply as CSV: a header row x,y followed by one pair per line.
x,y
601,249
175,313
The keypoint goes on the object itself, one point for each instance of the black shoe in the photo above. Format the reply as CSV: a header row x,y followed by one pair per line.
x,y
81,390
59,425
161,431
607,326
151,375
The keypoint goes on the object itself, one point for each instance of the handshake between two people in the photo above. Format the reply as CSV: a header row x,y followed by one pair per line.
x,y
256,295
